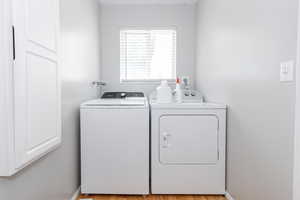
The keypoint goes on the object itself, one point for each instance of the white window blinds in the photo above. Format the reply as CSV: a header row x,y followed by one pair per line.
x,y
147,55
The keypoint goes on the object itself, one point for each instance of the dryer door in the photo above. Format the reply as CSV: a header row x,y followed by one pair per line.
x,y
189,139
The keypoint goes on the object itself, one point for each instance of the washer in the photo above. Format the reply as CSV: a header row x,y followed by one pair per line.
x,y
115,144
188,143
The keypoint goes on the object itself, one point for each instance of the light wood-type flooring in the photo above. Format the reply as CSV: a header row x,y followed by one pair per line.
x,y
151,197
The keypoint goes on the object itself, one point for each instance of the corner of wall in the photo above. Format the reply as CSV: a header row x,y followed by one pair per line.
x,y
228,196
296,170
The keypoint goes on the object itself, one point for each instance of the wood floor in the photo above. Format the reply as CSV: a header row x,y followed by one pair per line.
x,y
151,197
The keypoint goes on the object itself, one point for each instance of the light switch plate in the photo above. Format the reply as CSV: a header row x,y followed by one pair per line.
x,y
287,71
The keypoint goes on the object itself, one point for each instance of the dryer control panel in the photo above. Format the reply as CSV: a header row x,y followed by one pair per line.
x,y
120,95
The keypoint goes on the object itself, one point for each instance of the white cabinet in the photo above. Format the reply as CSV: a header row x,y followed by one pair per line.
x,y
30,84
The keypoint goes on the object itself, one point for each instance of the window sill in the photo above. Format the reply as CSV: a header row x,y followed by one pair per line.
x,y
146,82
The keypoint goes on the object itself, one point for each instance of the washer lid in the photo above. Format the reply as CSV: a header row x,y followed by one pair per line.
x,y
125,102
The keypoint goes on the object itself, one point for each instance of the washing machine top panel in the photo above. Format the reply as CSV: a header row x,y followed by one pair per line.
x,y
125,102
115,103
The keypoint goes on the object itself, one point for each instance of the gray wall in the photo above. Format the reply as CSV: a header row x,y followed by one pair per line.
x,y
240,47
296,187
115,17
56,176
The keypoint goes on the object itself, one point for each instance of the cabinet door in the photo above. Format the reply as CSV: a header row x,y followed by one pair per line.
x,y
36,79
189,139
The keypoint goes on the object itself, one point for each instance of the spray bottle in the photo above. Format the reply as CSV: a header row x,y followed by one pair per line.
x,y
178,92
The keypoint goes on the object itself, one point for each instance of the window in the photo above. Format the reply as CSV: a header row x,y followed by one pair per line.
x,y
147,55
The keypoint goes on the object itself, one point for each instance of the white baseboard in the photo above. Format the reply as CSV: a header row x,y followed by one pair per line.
x,y
228,196
76,194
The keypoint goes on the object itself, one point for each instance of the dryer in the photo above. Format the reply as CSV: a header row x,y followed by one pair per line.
x,y
188,143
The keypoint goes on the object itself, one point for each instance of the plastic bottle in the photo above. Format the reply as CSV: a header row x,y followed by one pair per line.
x,y
164,93
178,91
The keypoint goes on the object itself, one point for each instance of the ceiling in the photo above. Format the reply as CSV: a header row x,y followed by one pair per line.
x,y
148,1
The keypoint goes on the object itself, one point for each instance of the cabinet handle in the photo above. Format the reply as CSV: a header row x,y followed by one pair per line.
x,y
14,43
165,138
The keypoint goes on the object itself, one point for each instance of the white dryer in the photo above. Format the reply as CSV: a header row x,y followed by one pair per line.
x,y
115,144
188,143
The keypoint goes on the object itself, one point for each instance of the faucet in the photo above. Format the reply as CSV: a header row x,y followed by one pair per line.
x,y
99,83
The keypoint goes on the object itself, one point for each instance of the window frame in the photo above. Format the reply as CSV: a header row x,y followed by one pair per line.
x,y
148,28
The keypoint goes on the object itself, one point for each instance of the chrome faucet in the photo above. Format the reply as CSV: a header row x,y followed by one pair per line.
x,y
99,83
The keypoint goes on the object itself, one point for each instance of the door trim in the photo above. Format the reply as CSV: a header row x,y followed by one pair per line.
x,y
6,88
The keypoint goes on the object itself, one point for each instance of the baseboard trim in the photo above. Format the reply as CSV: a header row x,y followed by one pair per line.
x,y
76,194
228,196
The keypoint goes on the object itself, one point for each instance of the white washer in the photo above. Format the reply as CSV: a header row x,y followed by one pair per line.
x,y
115,145
188,148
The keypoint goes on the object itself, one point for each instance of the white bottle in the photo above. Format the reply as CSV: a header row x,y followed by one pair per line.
x,y
178,92
164,93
